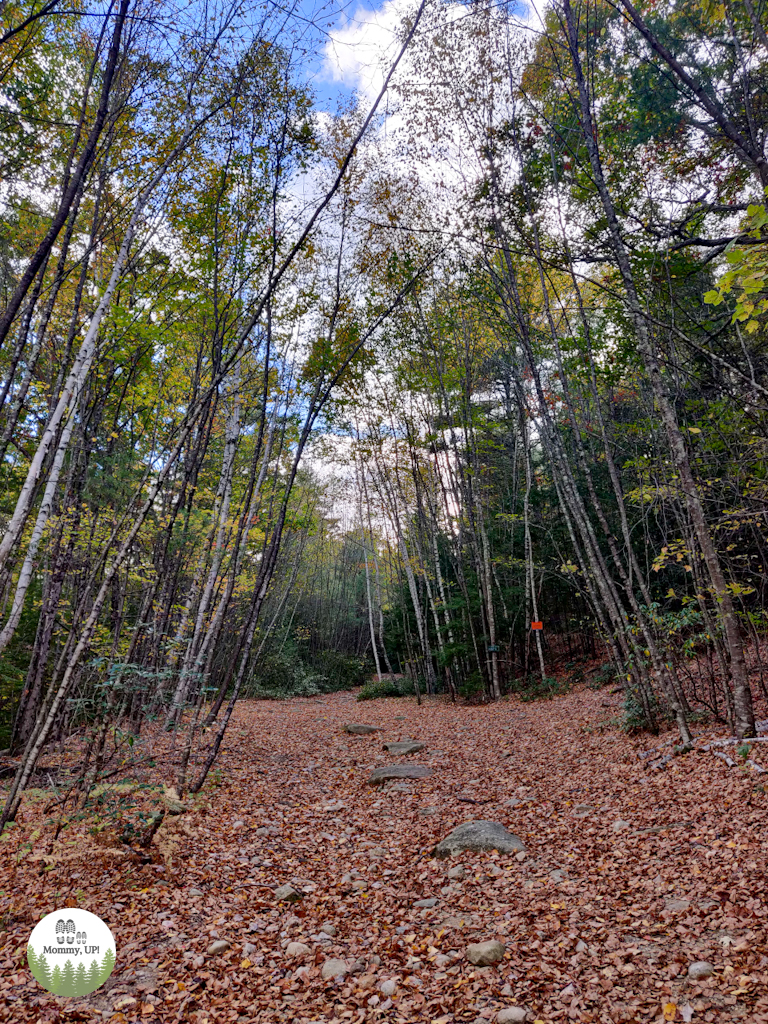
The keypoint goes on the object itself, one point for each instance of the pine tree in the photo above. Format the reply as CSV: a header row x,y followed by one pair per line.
x,y
56,980
107,964
68,979
94,976
44,971
81,980
33,961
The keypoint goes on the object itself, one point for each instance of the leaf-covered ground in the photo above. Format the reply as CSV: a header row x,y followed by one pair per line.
x,y
631,875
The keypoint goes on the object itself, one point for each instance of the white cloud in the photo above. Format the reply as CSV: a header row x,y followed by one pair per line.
x,y
359,52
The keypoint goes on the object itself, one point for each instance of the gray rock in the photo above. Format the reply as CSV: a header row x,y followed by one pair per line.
x,y
620,825
219,946
361,730
294,949
333,969
494,871
457,872
398,771
478,836
511,1015
677,906
329,929
248,948
388,988
428,812
455,922
412,747
288,894
431,902
195,892
700,969
583,810
485,954
558,875
581,946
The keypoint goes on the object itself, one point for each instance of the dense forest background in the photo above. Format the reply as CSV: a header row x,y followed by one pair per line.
x,y
290,399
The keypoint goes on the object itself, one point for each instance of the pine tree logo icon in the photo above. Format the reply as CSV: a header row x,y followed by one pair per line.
x,y
71,953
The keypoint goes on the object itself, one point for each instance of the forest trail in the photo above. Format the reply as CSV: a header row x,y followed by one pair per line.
x,y
631,875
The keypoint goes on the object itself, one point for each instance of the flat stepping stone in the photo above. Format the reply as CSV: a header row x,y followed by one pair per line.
x,y
398,771
478,836
361,730
412,747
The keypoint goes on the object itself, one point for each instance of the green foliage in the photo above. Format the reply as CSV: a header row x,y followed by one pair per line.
x,y
748,276
635,718
605,675
285,672
536,688
386,688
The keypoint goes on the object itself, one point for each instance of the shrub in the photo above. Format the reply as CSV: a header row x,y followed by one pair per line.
x,y
636,718
386,688
603,676
536,688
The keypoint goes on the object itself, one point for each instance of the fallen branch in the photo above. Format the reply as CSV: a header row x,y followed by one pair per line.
x,y
724,757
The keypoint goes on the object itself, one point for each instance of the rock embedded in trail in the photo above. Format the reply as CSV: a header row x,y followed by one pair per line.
x,y
297,949
432,901
333,969
398,771
485,954
700,969
583,810
478,837
361,730
287,894
412,747
511,1015
219,946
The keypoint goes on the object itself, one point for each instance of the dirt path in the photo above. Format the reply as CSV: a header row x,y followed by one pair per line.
x,y
631,876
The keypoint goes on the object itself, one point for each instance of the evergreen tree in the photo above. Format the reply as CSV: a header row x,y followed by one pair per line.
x,y
33,961
68,979
94,976
56,980
81,980
44,971
107,964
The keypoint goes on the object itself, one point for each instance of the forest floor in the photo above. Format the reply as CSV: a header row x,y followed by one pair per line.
x,y
631,875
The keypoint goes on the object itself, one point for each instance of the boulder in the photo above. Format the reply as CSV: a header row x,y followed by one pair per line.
x,y
361,730
333,969
410,747
485,954
398,771
477,837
